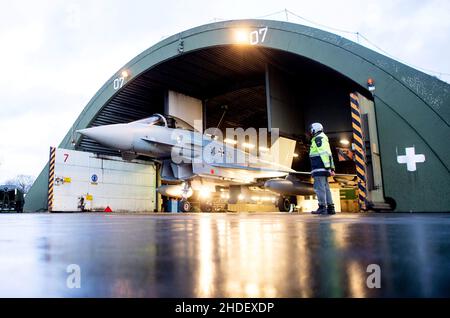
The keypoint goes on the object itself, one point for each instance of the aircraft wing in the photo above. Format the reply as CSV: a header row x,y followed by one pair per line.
x,y
240,167
346,179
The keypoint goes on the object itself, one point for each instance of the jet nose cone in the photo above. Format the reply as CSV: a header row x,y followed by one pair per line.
x,y
85,132
115,136
95,133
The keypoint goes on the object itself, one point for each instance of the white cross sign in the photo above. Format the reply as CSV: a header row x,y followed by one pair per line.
x,y
411,159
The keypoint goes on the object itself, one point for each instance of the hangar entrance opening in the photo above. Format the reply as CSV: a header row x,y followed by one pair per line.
x,y
246,86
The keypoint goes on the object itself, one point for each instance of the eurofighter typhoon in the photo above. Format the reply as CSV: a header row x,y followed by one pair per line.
x,y
193,161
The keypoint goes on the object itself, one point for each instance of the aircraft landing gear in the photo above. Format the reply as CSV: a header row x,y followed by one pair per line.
x,y
284,203
185,206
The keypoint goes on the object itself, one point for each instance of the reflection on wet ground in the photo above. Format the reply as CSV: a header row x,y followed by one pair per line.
x,y
224,255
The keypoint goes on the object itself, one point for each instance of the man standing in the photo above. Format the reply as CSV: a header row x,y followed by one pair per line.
x,y
322,166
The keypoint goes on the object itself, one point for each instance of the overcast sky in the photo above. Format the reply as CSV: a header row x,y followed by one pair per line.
x,y
55,55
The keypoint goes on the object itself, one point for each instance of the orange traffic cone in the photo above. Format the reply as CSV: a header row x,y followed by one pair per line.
x,y
108,209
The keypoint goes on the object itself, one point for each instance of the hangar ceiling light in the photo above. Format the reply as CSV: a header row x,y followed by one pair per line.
x,y
241,36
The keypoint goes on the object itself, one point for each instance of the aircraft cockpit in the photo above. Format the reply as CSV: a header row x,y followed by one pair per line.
x,y
166,121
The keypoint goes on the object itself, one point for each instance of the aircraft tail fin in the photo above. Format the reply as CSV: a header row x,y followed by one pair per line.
x,y
281,153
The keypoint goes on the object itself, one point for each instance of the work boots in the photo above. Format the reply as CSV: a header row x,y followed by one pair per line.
x,y
330,209
321,210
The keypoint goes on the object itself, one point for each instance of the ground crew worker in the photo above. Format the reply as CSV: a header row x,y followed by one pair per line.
x,y
322,166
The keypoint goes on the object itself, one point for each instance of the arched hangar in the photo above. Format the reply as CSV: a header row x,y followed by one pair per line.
x,y
258,73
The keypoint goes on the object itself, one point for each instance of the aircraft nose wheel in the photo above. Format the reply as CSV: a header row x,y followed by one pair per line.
x,y
185,206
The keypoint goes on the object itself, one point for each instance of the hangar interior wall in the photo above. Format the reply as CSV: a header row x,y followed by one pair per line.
x,y
299,96
188,108
284,109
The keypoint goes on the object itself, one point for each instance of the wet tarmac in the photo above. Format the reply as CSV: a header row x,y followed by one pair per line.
x,y
224,255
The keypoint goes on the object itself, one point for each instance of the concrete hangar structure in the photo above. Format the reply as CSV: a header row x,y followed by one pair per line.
x,y
278,74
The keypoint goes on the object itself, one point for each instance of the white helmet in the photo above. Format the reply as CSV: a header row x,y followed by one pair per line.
x,y
315,128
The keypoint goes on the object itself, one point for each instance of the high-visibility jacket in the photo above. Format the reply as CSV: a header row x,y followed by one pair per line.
x,y
321,156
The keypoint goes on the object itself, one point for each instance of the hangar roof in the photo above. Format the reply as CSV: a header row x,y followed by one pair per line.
x,y
207,61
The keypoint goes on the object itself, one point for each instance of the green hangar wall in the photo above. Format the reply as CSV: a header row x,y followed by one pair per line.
x,y
412,108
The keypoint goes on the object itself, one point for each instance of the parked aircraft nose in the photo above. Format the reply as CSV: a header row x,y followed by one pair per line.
x,y
119,136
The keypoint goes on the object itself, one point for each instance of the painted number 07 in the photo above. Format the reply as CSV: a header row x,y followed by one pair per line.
x,y
258,36
118,82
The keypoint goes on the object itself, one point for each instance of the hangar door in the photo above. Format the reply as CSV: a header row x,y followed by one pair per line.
x,y
366,152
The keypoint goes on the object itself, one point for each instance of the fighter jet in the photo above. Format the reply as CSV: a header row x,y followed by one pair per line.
x,y
193,161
